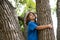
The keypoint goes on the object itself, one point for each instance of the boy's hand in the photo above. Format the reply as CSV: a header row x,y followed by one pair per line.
x,y
50,26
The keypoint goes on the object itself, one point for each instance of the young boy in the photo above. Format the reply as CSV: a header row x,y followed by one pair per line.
x,y
33,27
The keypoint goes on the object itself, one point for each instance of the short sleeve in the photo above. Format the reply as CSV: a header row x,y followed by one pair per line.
x,y
32,26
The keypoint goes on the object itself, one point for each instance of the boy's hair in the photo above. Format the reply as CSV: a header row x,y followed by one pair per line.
x,y
28,19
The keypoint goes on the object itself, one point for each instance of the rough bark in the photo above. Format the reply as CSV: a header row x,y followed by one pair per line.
x,y
44,18
9,26
58,17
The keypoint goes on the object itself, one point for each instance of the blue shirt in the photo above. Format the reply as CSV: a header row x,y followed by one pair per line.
x,y
32,32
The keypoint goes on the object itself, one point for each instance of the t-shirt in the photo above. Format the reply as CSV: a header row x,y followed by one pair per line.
x,y
32,32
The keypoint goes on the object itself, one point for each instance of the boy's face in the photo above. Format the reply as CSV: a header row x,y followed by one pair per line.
x,y
32,16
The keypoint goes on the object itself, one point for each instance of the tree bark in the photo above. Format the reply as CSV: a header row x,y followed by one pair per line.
x,y
9,26
44,18
58,17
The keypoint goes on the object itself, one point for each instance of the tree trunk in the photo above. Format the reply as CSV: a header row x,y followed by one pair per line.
x,y
9,26
44,18
58,17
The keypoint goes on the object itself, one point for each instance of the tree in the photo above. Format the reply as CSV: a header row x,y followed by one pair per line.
x,y
9,26
44,17
58,17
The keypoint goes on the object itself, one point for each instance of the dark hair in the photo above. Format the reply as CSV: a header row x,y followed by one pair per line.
x,y
28,19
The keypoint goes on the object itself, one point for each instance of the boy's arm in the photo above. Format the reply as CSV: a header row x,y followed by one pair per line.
x,y
44,27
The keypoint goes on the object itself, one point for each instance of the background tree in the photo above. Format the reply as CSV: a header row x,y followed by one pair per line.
x,y
58,17
44,17
9,26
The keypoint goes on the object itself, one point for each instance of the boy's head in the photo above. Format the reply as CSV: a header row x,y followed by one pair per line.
x,y
30,16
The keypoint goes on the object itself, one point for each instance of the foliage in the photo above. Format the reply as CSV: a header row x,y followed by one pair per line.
x,y
28,5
